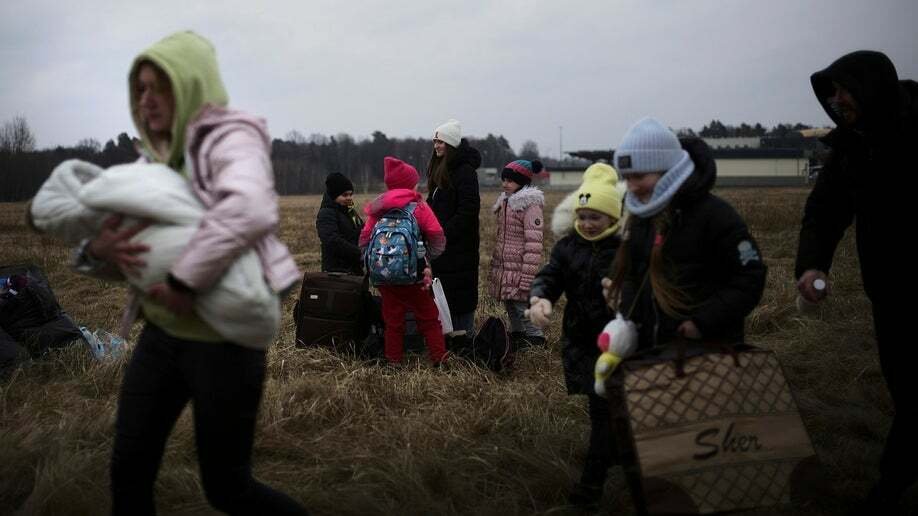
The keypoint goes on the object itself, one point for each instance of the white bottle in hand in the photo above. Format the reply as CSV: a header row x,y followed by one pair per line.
x,y
808,307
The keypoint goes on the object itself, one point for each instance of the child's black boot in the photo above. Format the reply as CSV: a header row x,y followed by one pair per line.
x,y
588,492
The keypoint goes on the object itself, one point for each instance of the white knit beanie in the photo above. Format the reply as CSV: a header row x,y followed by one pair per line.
x,y
450,132
648,146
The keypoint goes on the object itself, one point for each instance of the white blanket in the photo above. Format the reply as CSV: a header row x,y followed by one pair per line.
x,y
76,198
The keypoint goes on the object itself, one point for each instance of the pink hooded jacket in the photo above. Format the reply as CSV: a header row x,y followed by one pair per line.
x,y
517,251
229,155
434,238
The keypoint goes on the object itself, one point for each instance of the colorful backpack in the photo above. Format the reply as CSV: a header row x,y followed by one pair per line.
x,y
395,248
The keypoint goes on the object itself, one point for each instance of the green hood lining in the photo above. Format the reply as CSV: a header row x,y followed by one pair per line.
x,y
190,63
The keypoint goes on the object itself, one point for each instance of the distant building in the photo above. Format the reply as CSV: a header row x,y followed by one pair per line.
x,y
566,178
736,166
487,176
761,167
593,155
817,132
734,143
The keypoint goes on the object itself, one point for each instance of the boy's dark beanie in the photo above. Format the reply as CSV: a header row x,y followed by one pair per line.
x,y
336,184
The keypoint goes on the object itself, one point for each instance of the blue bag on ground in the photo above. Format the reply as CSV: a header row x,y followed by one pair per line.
x,y
104,345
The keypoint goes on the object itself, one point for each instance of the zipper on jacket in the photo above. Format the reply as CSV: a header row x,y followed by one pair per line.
x,y
503,252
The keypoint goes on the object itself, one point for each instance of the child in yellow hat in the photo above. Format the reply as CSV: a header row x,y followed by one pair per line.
x,y
577,264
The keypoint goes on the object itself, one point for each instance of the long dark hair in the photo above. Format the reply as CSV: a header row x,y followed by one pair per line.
x,y
438,169
672,300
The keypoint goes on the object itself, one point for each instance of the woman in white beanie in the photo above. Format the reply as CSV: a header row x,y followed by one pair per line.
x,y
452,185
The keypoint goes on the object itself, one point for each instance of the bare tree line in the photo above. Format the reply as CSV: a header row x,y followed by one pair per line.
x,y
300,163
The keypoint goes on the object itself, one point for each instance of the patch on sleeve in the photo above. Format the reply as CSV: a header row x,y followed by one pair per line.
x,y
537,221
748,253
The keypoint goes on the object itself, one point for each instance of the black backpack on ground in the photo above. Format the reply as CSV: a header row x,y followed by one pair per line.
x,y
371,329
31,319
491,346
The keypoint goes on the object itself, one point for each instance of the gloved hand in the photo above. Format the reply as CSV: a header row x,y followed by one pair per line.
x,y
539,311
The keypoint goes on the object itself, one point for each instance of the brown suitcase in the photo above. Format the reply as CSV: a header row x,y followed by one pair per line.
x,y
330,309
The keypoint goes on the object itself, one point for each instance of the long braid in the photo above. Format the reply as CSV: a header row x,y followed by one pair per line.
x,y
672,300
620,266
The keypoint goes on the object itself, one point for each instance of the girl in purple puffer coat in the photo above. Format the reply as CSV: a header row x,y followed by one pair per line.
x,y
517,252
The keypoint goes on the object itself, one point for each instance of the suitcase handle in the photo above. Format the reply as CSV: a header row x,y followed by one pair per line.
x,y
681,344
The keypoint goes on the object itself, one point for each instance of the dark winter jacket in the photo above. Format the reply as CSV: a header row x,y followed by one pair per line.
x,y
338,232
709,255
457,207
576,268
865,175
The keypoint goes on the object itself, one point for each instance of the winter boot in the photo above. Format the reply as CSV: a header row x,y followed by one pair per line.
x,y
588,492
533,341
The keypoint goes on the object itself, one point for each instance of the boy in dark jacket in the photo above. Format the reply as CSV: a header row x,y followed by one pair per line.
x,y
576,267
338,226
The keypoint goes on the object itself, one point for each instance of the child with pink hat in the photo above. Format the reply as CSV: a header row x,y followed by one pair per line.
x,y
401,181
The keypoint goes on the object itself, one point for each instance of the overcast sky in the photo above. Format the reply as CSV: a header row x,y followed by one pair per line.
x,y
518,68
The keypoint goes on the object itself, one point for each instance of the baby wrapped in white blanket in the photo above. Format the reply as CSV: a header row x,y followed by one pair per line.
x,y
78,196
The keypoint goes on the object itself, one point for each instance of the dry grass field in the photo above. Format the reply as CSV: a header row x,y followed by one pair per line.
x,y
345,437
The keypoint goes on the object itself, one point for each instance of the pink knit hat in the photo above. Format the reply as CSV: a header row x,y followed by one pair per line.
x,y
398,174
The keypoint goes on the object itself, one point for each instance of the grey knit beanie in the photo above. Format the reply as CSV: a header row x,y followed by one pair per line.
x,y
648,146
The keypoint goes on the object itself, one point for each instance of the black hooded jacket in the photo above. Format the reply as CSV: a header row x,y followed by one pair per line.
x,y
575,268
866,174
456,208
709,255
338,234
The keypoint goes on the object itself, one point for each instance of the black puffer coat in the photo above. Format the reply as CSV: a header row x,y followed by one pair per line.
x,y
576,268
709,255
866,176
338,233
456,208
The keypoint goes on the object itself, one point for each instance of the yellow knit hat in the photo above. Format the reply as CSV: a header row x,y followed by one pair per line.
x,y
599,192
